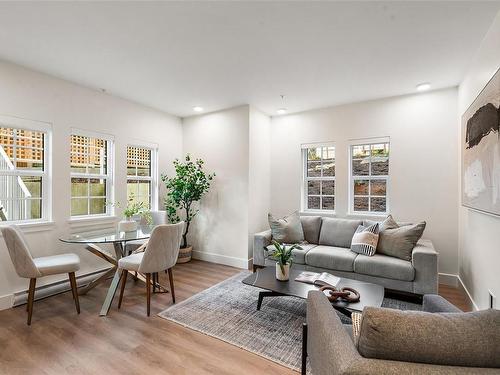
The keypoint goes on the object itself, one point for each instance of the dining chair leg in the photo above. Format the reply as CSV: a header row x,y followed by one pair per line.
x,y
124,281
31,297
148,292
171,280
74,290
155,278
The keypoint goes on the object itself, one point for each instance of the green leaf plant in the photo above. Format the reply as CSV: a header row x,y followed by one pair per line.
x,y
184,189
283,254
135,208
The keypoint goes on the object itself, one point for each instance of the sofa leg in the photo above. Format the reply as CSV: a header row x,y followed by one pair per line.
x,y
304,349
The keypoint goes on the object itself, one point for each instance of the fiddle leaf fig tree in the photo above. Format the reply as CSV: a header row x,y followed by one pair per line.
x,y
184,189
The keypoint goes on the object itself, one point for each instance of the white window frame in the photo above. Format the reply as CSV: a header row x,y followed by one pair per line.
x,y
153,147
109,176
306,178
369,177
46,173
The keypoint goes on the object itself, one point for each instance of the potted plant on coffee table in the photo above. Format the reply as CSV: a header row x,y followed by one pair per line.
x,y
284,259
184,190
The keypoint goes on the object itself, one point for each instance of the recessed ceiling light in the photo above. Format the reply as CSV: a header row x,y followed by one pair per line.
x,y
197,109
281,111
423,86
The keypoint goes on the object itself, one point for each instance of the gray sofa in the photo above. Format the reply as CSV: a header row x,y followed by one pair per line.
x,y
332,351
328,250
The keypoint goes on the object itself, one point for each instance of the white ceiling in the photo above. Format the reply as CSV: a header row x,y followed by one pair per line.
x,y
173,56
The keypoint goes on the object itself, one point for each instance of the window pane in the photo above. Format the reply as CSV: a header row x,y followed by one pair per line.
x,y
328,187
138,161
35,209
380,159
29,146
378,204
88,155
97,206
314,169
361,187
313,187
32,186
314,153
97,188
360,203
6,158
328,203
79,206
313,203
378,187
360,160
29,153
79,187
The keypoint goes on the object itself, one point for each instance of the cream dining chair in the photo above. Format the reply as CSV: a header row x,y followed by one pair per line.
x,y
32,268
160,254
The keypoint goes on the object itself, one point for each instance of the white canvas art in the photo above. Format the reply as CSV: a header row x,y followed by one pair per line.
x,y
481,150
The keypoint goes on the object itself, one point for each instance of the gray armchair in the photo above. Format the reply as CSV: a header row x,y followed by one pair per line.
x,y
331,349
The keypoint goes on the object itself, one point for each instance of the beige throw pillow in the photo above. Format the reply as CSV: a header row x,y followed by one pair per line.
x,y
287,229
398,241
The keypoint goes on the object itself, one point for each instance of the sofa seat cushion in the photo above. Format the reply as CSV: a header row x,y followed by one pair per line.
x,y
338,232
299,256
384,266
333,258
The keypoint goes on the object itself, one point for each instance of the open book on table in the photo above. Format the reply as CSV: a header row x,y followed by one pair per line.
x,y
319,279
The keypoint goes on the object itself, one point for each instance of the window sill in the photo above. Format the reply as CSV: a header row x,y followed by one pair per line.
x,y
318,213
30,226
368,214
90,221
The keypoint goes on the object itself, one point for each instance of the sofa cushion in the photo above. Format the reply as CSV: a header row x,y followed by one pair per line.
x,y
311,226
299,256
337,232
456,339
287,229
384,266
334,258
399,242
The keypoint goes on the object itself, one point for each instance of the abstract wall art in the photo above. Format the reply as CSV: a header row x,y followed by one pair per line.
x,y
481,150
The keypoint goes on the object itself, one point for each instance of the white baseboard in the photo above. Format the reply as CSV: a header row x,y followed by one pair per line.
x,y
54,288
221,259
456,281
448,279
6,301
462,286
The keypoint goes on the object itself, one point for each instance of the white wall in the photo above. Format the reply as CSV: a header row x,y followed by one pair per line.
x,y
220,230
259,200
31,95
423,169
479,233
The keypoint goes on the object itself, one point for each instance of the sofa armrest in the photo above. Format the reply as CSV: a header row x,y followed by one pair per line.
x,y
260,242
329,347
425,262
436,304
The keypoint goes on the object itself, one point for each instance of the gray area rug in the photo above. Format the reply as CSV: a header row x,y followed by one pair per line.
x,y
227,311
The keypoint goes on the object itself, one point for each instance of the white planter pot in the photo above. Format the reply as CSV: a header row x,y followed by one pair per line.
x,y
280,275
127,226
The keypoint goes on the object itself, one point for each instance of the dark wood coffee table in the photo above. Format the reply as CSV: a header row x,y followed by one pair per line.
x,y
265,278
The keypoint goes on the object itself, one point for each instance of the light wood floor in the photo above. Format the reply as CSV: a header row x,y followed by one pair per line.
x,y
126,341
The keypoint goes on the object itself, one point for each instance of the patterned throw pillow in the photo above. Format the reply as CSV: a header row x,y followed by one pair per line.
x,y
365,240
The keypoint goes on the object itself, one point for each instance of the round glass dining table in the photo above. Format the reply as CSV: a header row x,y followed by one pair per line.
x,y
92,240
